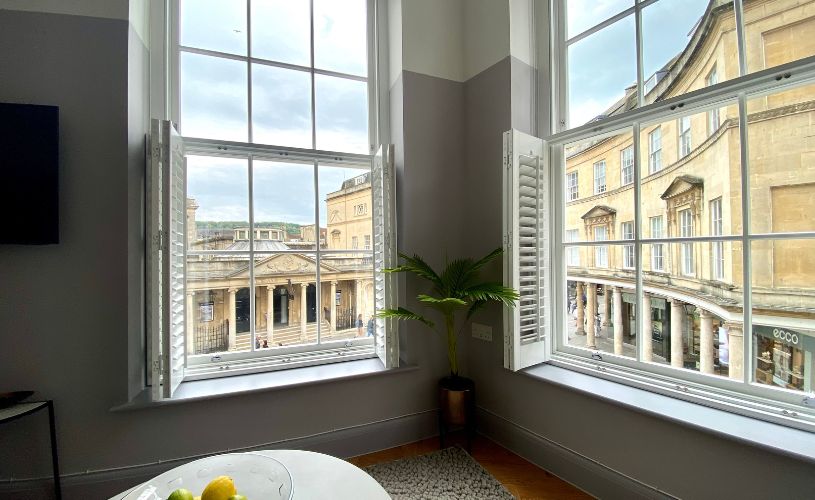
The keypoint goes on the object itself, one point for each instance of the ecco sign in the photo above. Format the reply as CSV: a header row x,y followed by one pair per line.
x,y
786,336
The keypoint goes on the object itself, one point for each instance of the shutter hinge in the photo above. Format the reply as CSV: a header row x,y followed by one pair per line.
x,y
158,240
157,366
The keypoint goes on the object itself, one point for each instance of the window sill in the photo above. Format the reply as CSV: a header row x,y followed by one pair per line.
x,y
198,390
776,438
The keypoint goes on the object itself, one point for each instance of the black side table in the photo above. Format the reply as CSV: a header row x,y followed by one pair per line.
x,y
20,410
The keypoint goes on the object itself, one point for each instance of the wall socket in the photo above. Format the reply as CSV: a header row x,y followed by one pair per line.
x,y
482,332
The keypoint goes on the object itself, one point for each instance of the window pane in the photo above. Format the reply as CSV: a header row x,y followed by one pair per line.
x,y
346,207
286,292
691,315
284,206
784,313
340,36
217,202
281,106
347,296
289,40
605,85
777,33
213,25
342,114
218,305
685,170
583,14
680,46
213,98
782,161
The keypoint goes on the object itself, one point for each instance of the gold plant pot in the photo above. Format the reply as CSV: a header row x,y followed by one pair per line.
x,y
456,401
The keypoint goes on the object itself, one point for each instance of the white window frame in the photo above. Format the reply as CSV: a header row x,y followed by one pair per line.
x,y
367,242
655,150
683,125
627,166
354,242
572,253
572,192
717,247
627,232
713,118
600,233
657,230
686,229
600,177
737,395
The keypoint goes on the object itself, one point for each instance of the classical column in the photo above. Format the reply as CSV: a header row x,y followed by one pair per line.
x,y
705,341
233,325
270,314
606,305
580,308
333,300
358,299
303,310
618,320
189,325
735,344
647,329
677,352
591,331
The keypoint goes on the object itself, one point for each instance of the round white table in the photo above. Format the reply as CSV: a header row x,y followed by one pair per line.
x,y
319,476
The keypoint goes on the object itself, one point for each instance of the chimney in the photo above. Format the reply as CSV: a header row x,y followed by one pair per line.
x,y
192,231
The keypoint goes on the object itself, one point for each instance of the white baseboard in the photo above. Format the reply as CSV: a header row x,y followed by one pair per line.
x,y
345,442
584,473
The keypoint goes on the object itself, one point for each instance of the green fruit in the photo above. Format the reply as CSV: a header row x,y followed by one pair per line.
x,y
181,494
237,497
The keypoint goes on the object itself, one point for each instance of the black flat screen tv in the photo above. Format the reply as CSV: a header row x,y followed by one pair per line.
x,y
29,174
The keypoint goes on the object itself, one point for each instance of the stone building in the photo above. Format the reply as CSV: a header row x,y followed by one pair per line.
x,y
691,177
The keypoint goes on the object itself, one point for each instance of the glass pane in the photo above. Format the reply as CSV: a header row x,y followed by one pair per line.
x,y
583,14
289,40
218,305
601,86
685,51
777,33
213,98
708,307
217,202
284,206
347,296
601,316
690,179
784,313
346,207
342,114
782,161
286,299
340,36
213,25
281,107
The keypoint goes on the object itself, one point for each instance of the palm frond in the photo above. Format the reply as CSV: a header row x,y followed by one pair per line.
x,y
403,314
476,305
417,266
455,275
452,301
487,259
492,292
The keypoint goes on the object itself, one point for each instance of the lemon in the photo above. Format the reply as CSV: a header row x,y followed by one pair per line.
x,y
220,488
237,497
180,494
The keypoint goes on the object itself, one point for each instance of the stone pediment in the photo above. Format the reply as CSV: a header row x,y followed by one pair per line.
x,y
681,185
286,265
599,211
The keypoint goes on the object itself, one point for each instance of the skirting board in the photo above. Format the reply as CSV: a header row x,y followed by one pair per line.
x,y
582,472
345,442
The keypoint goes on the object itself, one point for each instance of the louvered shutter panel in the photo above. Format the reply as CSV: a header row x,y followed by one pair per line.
x,y
166,258
383,185
526,254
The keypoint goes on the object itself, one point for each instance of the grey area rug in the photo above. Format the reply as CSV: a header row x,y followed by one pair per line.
x,y
448,474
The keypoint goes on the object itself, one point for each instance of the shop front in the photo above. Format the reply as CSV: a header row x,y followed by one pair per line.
x,y
783,357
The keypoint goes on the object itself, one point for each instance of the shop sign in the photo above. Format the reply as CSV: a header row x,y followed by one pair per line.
x,y
785,336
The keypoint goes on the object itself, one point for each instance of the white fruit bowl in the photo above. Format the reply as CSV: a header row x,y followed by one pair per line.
x,y
256,477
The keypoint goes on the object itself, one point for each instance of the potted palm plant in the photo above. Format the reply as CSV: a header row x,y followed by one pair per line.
x,y
456,291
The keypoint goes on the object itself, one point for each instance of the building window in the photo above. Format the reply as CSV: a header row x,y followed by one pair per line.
x,y
628,250
713,114
600,252
354,242
600,177
627,166
571,186
717,247
686,249
655,150
367,242
572,253
684,136
657,249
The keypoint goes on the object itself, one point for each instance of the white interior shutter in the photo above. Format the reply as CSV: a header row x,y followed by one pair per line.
x,y
526,251
166,258
383,185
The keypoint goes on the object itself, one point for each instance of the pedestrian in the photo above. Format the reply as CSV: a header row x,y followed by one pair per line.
x,y
359,326
370,327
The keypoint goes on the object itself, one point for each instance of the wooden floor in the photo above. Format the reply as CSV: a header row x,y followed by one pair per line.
x,y
523,479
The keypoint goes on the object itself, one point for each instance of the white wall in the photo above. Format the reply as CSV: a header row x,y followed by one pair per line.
x,y
111,9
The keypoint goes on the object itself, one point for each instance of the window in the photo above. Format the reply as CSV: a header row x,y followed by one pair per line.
x,y
600,177
600,252
717,247
684,136
271,297
627,166
686,231
628,250
713,114
571,186
657,250
655,150
572,253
